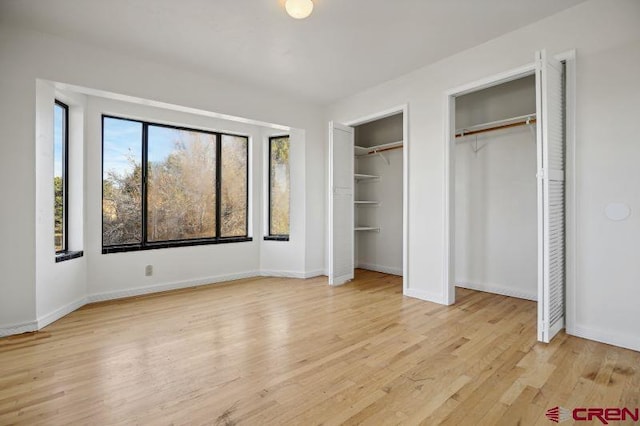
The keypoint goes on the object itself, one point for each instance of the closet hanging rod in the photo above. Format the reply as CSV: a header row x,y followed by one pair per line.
x,y
498,125
384,149
361,151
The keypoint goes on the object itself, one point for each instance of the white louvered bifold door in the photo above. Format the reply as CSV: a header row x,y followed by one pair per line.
x,y
341,207
551,196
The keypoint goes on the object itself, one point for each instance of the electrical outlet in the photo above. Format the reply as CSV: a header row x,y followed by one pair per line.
x,y
148,270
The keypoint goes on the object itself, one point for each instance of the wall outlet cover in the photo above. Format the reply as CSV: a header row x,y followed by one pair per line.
x,y
617,211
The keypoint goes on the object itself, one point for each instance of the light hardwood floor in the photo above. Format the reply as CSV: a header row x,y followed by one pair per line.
x,y
287,351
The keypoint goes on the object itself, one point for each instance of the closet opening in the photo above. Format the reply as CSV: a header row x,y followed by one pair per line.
x,y
495,162
368,196
378,194
509,191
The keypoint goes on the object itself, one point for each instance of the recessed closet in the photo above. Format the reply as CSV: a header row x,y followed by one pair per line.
x,y
378,195
496,190
367,196
507,186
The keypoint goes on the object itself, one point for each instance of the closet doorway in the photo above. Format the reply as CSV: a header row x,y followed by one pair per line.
x,y
368,190
507,188
496,190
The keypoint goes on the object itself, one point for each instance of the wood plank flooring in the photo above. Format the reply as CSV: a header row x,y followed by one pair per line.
x,y
287,351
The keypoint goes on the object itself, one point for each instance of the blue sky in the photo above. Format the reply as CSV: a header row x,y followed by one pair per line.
x,y
162,141
58,129
123,140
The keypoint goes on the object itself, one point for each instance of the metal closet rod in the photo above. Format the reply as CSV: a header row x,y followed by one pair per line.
x,y
375,151
524,122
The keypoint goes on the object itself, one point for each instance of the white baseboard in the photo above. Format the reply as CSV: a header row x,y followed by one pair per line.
x,y
498,289
425,295
47,319
381,268
606,336
314,273
341,280
291,274
25,327
138,291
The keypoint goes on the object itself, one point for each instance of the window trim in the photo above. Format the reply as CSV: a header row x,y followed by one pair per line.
x,y
65,182
270,236
153,245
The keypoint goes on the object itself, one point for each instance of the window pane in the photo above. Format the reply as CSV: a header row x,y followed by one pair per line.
x,y
121,182
233,205
59,184
279,186
181,184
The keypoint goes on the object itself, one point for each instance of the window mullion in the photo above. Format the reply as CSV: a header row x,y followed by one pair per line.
x,y
270,191
246,207
65,177
218,186
144,168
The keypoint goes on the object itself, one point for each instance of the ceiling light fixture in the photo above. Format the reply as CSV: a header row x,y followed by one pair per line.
x,y
299,9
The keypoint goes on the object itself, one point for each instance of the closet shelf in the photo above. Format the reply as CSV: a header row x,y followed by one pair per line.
x,y
361,151
367,228
521,120
362,202
359,176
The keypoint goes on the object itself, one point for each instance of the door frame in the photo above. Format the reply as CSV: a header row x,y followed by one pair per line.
x,y
448,284
404,109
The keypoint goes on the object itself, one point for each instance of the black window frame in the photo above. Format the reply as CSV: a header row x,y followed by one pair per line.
x,y
271,236
145,244
65,253
65,179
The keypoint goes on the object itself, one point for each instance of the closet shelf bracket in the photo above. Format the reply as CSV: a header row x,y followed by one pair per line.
x,y
385,159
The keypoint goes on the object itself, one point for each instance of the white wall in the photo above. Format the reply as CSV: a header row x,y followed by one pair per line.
x,y
286,257
116,274
608,57
25,56
60,287
496,223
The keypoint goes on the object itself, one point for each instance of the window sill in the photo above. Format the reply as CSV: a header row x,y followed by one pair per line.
x,y
276,238
174,244
68,255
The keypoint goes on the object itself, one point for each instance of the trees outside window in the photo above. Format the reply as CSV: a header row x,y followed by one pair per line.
x,y
166,186
121,182
181,184
234,191
279,186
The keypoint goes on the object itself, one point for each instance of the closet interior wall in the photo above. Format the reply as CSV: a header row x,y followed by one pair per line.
x,y
380,250
496,204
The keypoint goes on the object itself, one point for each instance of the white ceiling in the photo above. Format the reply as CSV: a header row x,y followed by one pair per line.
x,y
344,47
